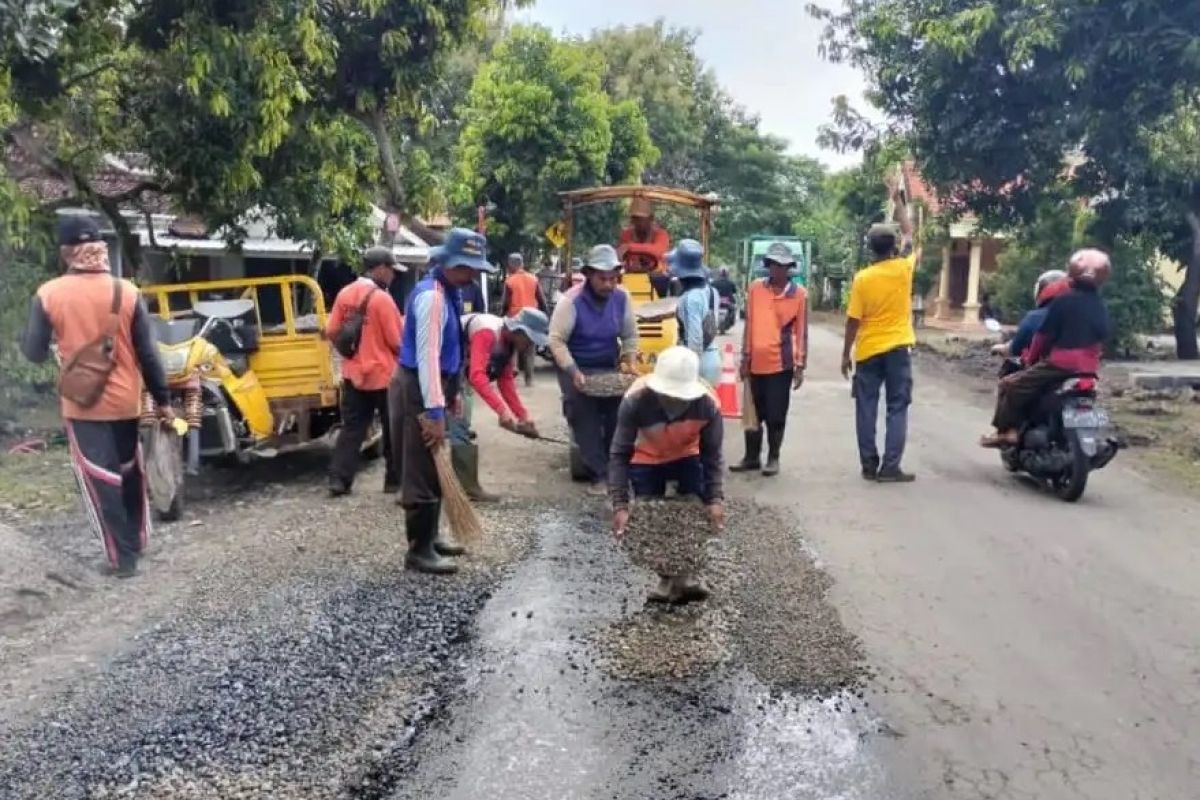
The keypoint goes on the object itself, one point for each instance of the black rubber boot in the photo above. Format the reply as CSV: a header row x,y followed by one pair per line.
x,y
689,589
465,458
753,459
662,592
421,525
774,444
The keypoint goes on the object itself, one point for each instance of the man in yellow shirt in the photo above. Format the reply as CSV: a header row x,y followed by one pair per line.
x,y
878,348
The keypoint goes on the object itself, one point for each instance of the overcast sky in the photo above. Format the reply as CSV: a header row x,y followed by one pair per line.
x,y
764,52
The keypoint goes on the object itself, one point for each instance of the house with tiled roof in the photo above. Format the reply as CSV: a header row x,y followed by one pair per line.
x,y
968,257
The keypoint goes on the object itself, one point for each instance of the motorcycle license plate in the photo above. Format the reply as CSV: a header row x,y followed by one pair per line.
x,y
1085,418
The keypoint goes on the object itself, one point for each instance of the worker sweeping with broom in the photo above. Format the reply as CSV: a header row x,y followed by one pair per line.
x,y
431,359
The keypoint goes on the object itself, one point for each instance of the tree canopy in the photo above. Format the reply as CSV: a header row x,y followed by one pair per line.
x,y
1003,100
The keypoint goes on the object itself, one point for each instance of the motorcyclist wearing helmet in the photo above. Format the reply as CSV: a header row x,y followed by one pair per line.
x,y
1071,340
1050,284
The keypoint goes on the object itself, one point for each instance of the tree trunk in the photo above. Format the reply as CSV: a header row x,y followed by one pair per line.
x,y
1186,306
376,122
125,239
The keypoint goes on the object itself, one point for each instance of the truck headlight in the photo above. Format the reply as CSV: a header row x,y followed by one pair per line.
x,y
174,362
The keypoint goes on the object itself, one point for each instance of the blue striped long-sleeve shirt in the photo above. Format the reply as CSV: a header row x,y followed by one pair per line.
x,y
432,342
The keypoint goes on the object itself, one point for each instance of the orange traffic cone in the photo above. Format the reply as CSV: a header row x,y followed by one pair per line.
x,y
727,391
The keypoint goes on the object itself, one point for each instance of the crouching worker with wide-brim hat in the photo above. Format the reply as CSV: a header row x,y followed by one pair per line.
x,y
669,428
427,385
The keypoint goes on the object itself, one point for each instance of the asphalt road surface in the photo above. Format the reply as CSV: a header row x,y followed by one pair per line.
x,y
1032,649
967,636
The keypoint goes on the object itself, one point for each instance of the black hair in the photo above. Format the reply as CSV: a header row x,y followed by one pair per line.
x,y
694,282
882,245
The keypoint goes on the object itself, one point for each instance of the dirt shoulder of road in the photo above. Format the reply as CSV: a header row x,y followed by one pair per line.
x,y
1161,428
244,531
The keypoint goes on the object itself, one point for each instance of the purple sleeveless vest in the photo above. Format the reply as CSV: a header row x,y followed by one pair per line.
x,y
594,343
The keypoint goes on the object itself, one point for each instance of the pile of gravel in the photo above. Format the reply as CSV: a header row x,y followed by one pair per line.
x,y
310,682
668,537
769,612
608,384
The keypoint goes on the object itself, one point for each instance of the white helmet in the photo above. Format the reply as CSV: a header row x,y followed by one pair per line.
x,y
1045,279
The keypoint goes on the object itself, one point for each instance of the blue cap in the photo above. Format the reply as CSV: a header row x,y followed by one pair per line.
x,y
462,248
533,323
687,260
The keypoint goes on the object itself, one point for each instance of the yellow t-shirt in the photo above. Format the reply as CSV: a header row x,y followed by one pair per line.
x,y
881,300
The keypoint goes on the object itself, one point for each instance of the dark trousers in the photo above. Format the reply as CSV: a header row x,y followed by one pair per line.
x,y
418,476
772,395
890,372
525,363
107,460
593,421
1020,391
650,480
359,408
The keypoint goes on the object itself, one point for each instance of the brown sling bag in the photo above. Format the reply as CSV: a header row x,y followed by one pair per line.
x,y
85,374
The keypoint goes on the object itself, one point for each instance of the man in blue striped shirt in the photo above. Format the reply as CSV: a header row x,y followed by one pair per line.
x,y
431,358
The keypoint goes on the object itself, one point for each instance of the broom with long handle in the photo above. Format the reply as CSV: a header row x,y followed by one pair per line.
x,y
463,519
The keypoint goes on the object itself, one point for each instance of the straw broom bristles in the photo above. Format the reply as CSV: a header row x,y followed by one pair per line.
x,y
463,519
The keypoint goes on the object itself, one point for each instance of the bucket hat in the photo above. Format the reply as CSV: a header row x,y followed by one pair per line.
x,y
677,374
463,248
533,323
687,260
779,253
602,257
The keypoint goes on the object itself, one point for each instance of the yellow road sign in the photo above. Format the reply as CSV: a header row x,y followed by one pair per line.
x,y
557,234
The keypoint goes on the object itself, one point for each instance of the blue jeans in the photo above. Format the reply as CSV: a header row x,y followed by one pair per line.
x,y
891,372
458,429
650,480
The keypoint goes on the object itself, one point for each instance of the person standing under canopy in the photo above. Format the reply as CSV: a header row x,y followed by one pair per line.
x,y
644,244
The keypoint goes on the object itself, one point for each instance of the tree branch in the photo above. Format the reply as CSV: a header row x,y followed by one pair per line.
x,y
88,74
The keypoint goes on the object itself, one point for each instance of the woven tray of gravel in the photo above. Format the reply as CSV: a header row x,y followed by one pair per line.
x,y
668,537
608,384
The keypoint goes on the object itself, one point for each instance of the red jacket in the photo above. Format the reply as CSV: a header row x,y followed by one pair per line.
x,y
487,359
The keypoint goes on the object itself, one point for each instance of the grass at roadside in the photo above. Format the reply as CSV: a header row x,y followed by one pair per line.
x,y
37,483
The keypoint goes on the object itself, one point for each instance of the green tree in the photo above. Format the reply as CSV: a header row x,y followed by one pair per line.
x,y
537,122
996,95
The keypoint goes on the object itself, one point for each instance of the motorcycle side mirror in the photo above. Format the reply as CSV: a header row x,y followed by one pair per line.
x,y
992,325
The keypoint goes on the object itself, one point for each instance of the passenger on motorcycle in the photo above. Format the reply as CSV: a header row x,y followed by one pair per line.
x,y
1050,284
1071,339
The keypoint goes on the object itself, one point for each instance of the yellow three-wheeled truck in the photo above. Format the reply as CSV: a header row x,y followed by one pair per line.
x,y
246,386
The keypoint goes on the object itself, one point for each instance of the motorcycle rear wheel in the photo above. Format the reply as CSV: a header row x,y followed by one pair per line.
x,y
1070,487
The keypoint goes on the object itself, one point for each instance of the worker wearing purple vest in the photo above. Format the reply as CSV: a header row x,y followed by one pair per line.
x,y
593,330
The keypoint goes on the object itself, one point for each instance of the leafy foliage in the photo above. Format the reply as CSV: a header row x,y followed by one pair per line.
x,y
538,122
996,96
